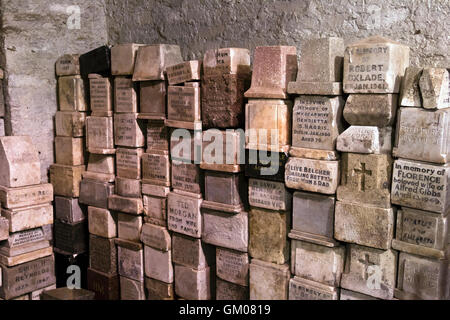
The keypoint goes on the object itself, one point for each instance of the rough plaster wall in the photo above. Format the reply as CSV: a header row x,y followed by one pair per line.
x,y
198,25
35,34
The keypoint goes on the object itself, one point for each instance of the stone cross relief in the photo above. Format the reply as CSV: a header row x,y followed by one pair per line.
x,y
371,273
362,174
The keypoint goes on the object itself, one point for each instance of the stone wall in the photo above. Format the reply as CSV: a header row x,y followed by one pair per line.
x,y
198,25
35,33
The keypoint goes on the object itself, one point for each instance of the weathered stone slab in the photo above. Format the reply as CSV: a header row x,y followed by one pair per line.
x,y
185,145
156,168
192,252
273,68
351,295
317,263
130,188
421,233
30,217
223,99
320,67
4,228
125,97
153,97
36,295
129,226
266,165
435,88
232,266
96,61
152,60
68,65
313,218
155,209
69,151
130,256
99,135
71,95
365,139
268,235
27,277
70,123
410,91
123,57
105,286
364,225
423,135
222,150
125,204
128,130
19,162
155,191
128,162
95,193
371,109
268,281
421,278
157,136
317,122
102,254
268,125
226,230
374,65
183,107
25,257
230,291
69,210
366,179
226,61
26,196
102,222
71,238
225,191
158,290
183,215
312,175
158,264
100,167
193,284
131,289
422,186
187,177
269,195
156,237
101,95
304,289
370,271
184,72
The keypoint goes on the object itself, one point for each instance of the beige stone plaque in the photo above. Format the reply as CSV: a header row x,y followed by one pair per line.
x,y
157,136
128,130
100,135
410,91
268,281
226,61
128,162
123,57
70,123
184,72
69,151
71,96
183,215
183,107
435,88
26,196
156,237
125,204
155,209
128,187
156,169
68,65
304,289
66,179
192,252
187,177
158,264
365,139
228,159
125,99
193,284
153,97
102,222
101,95
232,266
28,217
129,227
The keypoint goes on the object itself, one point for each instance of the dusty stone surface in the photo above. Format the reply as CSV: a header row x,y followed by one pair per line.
x,y
124,204
304,289
183,103
232,266
410,95
268,235
226,61
71,94
192,284
435,88
268,281
128,187
130,257
131,289
364,225
156,237
157,136
102,254
184,72
101,95
158,290
225,188
26,196
187,177
153,98
95,193
101,163
69,151
423,135
70,124
192,252
4,228
269,195
230,291
183,214
102,222
128,162
123,57
128,130
69,210
155,209
158,264
125,96
365,139
230,155
28,217
366,179
68,65
66,179
352,295
156,169
371,109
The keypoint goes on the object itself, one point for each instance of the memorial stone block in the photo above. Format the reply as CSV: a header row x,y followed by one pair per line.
x,y
101,95
123,57
304,289
157,136
36,295
102,254
183,215
312,175
129,227
70,123
371,109
268,125
158,264
71,238
232,266
435,88
366,179
269,195
273,68
68,65
228,159
99,135
29,217
193,284
95,193
131,289
158,290
152,60
4,228
128,162
226,61
184,72
153,98
183,107
422,186
410,92
156,237
351,295
128,130
156,168
155,210
370,271
25,257
100,167
268,281
96,61
69,151
130,256
192,252
71,94
374,65
365,139
124,204
128,187
186,145
102,222
230,291
225,191
105,286
26,196
187,177
423,135
125,99
69,210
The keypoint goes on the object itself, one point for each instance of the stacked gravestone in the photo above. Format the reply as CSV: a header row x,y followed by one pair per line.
x,y
226,76
267,131
2,105
70,226
98,181
27,264
364,217
421,184
317,259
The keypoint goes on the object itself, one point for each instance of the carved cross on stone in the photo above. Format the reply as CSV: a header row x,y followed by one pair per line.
x,y
362,172
366,262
